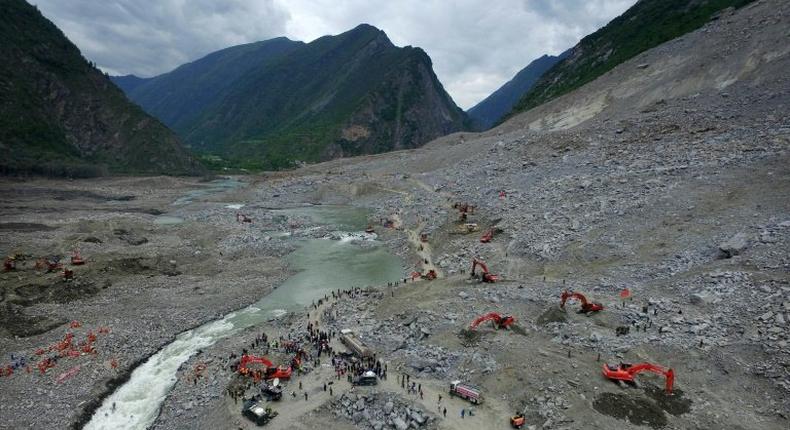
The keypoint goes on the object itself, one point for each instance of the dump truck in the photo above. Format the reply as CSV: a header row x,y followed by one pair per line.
x,y
466,391
258,413
354,344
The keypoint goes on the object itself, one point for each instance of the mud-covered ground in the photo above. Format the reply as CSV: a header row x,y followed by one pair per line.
x,y
683,201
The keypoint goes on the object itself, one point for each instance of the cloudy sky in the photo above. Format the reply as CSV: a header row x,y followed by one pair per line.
x,y
475,45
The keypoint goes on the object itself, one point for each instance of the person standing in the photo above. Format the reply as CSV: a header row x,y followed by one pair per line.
x,y
463,411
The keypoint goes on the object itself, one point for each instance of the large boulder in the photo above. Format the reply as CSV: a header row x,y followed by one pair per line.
x,y
734,246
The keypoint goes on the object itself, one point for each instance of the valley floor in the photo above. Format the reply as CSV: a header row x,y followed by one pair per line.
x,y
685,202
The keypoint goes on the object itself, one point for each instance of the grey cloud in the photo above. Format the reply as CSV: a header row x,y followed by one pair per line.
x,y
475,45
148,37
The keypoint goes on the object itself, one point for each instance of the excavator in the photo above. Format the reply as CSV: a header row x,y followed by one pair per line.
x,y
486,276
76,258
9,264
463,210
429,275
498,320
587,307
487,236
626,372
272,371
50,264
518,421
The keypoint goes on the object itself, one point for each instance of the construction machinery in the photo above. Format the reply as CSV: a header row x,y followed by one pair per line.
x,y
429,275
49,264
466,391
463,210
587,306
466,228
485,276
270,370
9,264
498,320
424,237
370,229
518,420
241,218
487,236
76,258
626,372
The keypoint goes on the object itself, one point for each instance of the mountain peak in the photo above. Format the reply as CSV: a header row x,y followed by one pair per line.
x,y
347,94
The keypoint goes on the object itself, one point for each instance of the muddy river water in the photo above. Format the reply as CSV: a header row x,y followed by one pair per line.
x,y
322,265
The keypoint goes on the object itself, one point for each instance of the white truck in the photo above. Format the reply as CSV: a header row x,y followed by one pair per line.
x,y
466,391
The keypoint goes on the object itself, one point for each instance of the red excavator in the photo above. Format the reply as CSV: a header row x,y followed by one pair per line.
x,y
587,307
487,236
271,372
9,264
429,275
463,210
76,258
626,372
485,276
498,320
50,264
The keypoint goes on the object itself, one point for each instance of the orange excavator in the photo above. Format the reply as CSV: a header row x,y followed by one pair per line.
x,y
429,275
626,372
463,210
76,258
498,320
587,307
518,421
271,372
486,276
487,236
9,264
49,264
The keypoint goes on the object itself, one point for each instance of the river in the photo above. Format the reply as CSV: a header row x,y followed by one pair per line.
x,y
322,266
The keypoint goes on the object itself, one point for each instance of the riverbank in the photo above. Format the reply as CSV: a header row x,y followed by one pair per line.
x,y
143,281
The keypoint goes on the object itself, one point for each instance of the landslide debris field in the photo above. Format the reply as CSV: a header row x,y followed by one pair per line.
x,y
684,201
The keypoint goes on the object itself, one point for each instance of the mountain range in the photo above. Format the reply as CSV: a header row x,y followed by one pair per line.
x,y
270,104
645,25
61,116
489,111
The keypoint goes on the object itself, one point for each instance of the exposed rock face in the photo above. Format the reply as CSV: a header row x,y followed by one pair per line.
x,y
60,115
274,102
